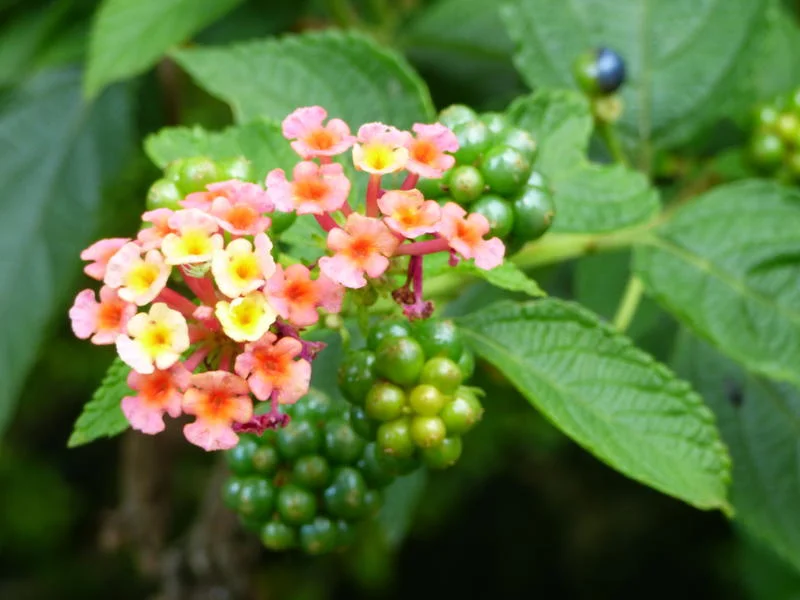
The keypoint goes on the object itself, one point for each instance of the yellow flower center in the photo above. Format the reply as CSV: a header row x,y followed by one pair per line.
x,y
245,313
244,269
156,339
196,242
141,277
379,156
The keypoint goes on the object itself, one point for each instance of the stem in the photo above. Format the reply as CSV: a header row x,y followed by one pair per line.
x,y
629,303
342,13
176,301
373,187
609,135
346,209
410,181
420,248
202,287
326,222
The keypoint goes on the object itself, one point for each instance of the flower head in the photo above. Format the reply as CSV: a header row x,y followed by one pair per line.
x,y
465,236
316,189
238,206
154,339
408,213
381,149
363,246
103,321
137,279
270,368
426,151
311,137
99,254
151,237
239,269
218,399
296,297
195,239
158,392
246,319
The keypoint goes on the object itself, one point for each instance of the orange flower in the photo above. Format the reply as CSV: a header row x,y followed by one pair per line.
x,y
271,369
408,213
465,236
218,399
426,152
159,392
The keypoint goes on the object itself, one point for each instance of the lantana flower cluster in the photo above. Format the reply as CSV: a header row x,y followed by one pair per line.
x,y
207,320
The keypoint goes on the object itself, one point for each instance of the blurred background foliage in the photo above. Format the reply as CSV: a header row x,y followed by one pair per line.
x,y
526,512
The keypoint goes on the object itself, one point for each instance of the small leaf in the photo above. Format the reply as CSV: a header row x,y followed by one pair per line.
x,y
507,276
401,499
727,265
129,36
350,75
609,396
102,415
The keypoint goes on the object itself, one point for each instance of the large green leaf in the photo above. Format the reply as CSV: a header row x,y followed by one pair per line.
x,y
58,152
589,197
728,266
348,73
609,396
22,38
687,60
760,422
129,36
777,68
507,276
102,415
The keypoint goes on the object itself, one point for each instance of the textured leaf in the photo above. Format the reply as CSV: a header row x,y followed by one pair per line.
x,y
348,73
58,153
102,415
507,276
609,396
129,36
24,37
760,422
728,266
588,197
687,60
777,68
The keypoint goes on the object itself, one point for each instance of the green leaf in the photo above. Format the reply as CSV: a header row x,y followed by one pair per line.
x,y
760,422
507,276
776,68
129,36
727,265
59,152
400,501
687,62
102,415
25,36
260,141
350,75
609,396
588,197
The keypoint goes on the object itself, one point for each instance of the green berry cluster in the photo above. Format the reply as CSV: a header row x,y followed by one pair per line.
x,y
774,146
494,176
407,393
307,485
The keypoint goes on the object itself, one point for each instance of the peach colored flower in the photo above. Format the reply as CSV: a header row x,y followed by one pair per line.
x,y
316,189
465,236
239,269
99,254
381,149
426,151
136,279
246,319
363,246
195,239
296,297
218,399
239,207
159,392
104,321
154,339
271,368
408,213
151,237
311,137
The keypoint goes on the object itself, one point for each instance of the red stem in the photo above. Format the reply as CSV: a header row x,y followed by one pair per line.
x,y
420,248
177,302
202,287
196,358
326,222
410,181
373,187
346,209
325,160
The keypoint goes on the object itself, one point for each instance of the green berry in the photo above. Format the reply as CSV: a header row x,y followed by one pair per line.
x,y
399,360
315,407
281,222
474,139
363,425
533,213
505,169
498,211
266,460
196,173
230,493
443,374
465,184
296,505
430,188
319,537
520,140
394,438
234,168
388,328
342,444
345,496
438,338
456,114
427,431
277,535
240,457
172,172
765,116
373,501
462,413
767,150
793,165
466,362
444,455
374,467
311,471
788,127
426,399
299,437
163,194
496,122
357,375
385,402
256,498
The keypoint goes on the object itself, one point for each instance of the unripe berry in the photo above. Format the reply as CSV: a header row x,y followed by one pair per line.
x,y
442,373
342,444
533,213
498,211
345,496
462,413
256,498
388,328
767,150
299,437
474,139
234,168
311,471
230,493
427,432
430,188
465,183
520,140
456,114
164,194
496,122
265,460
505,169
196,173
277,535
394,438
385,402
240,457
357,375
444,455
438,338
319,537
399,360
296,505
426,400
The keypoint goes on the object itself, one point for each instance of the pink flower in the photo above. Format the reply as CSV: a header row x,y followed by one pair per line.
x,y
238,207
426,152
363,246
100,253
312,138
316,189
270,368
159,392
104,321
381,149
151,237
195,239
136,279
408,213
296,297
465,236
218,399
154,340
